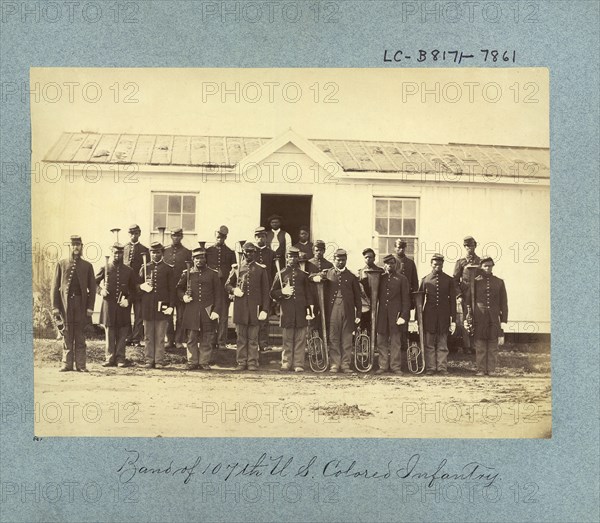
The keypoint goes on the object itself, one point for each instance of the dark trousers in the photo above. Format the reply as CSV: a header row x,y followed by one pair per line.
x,y
74,348
340,337
263,333
137,332
403,330
175,331
390,353
436,351
247,345
155,340
219,337
199,350
486,354
294,348
115,343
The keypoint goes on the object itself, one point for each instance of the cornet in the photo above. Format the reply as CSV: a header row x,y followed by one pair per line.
x,y
415,354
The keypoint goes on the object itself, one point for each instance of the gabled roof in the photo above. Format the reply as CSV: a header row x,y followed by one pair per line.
x,y
351,155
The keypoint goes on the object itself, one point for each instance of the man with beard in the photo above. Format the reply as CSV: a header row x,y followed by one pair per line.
x,y
202,293
73,297
116,287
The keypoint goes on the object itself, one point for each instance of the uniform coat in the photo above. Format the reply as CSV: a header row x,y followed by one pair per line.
x,y
306,248
132,256
206,291
254,282
121,281
65,271
462,277
491,306
266,257
160,276
394,302
177,255
220,258
294,308
347,283
407,267
440,302
317,265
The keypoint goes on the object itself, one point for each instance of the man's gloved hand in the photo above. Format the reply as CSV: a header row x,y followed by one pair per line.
x,y
288,290
452,327
237,292
318,278
124,302
187,298
357,321
503,327
168,311
500,341
262,316
214,316
400,321
310,317
146,287
466,324
103,291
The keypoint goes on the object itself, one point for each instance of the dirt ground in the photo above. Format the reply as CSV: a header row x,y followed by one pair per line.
x,y
175,402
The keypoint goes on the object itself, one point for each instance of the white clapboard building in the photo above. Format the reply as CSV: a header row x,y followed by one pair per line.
x,y
352,194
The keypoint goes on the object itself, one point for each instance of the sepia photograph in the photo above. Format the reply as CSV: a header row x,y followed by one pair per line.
x,y
289,252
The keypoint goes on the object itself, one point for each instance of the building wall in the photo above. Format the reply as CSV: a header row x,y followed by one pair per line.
x,y
510,222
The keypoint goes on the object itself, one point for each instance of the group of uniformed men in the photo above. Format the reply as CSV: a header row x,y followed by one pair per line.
x,y
197,286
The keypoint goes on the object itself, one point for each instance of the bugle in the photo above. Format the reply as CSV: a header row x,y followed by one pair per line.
x,y
364,343
415,354
318,352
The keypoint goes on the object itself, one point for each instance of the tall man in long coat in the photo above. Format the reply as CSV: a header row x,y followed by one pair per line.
x,y
439,313
489,317
265,256
156,281
408,268
116,288
221,258
294,295
342,310
133,257
203,295
249,285
176,255
393,312
73,297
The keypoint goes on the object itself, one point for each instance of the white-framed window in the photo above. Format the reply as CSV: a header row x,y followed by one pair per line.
x,y
396,218
172,210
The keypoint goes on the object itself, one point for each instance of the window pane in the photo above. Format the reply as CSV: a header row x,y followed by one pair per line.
x,y
395,208
174,203
410,248
160,220
396,226
189,204
189,222
382,247
173,221
391,246
381,208
410,209
381,225
410,227
160,203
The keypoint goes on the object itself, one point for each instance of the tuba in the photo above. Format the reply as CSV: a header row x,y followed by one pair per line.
x,y
318,353
364,343
415,354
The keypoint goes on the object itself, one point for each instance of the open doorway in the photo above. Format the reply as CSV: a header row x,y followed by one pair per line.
x,y
294,209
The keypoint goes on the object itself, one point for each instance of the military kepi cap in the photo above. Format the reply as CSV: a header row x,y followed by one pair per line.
x,y
134,227
368,250
468,240
248,246
437,257
293,251
75,239
156,246
117,246
223,230
260,231
389,258
178,231
340,253
319,243
401,243
198,251
488,259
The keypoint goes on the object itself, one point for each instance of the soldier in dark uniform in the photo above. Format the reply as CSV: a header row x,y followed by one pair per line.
x,y
406,267
393,312
266,257
157,284
294,296
73,297
489,317
249,285
342,310
465,271
116,289
176,255
133,257
203,295
365,288
220,257
439,313
318,262
304,244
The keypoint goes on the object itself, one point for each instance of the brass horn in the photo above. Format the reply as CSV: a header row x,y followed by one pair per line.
x,y
364,343
318,353
202,245
415,354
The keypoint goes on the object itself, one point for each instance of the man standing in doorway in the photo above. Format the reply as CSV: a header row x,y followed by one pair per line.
x,y
277,239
